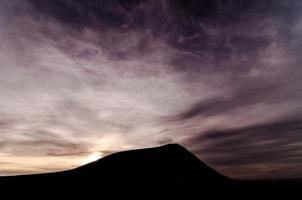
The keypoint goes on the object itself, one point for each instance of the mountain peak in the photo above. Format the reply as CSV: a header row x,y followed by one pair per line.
x,y
172,146
170,166
164,163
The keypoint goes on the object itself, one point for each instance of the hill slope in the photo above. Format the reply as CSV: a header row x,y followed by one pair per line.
x,y
169,170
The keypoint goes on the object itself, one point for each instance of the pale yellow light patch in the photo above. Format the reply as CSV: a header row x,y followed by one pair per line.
x,y
92,157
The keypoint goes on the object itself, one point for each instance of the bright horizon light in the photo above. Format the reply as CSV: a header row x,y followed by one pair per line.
x,y
92,157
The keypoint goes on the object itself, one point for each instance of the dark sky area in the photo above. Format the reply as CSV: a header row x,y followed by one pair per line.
x,y
81,79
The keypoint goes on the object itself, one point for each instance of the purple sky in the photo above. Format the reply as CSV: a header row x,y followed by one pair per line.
x,y
85,78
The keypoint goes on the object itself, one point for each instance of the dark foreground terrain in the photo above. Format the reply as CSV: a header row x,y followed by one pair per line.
x,y
166,171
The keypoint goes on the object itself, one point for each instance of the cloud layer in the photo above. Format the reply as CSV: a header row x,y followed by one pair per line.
x,y
222,78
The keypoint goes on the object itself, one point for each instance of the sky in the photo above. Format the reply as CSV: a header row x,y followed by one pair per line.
x,y
81,79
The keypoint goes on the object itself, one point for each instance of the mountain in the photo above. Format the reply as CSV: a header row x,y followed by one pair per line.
x,y
168,170
168,163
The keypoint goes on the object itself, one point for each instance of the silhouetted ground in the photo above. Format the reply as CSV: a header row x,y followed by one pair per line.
x,y
166,171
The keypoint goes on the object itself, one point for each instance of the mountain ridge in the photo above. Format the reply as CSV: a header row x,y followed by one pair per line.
x,y
170,169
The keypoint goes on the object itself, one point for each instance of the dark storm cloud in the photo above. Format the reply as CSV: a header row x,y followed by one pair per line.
x,y
184,12
207,33
78,14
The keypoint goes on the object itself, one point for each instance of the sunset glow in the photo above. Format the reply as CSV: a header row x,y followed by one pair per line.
x,y
83,79
91,158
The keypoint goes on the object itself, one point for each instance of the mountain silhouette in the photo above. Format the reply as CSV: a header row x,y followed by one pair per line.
x,y
170,170
168,163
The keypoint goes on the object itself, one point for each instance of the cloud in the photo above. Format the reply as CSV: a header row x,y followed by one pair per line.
x,y
243,96
40,143
268,144
79,77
